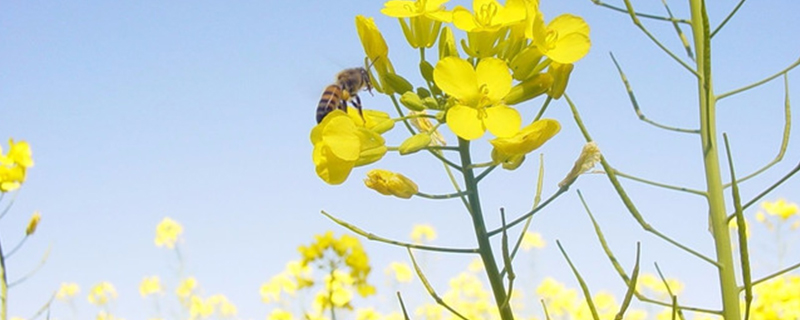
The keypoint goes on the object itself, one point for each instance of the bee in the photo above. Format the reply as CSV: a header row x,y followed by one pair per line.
x,y
335,96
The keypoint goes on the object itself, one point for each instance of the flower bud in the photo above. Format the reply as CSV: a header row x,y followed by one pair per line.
x,y
447,44
397,83
431,103
390,183
525,63
412,101
560,73
426,70
33,223
529,89
415,143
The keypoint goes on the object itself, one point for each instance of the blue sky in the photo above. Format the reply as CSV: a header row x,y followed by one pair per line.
x,y
200,111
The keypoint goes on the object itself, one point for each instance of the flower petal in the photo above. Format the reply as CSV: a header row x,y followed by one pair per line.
x,y
399,9
330,168
340,135
456,77
567,23
570,48
493,74
464,122
502,121
463,19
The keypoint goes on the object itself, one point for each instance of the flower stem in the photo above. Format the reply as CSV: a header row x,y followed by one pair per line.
x,y
708,133
484,246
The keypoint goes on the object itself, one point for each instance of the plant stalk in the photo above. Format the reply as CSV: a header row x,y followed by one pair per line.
x,y
484,246
708,132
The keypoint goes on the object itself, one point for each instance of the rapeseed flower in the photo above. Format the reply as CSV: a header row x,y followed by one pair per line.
x,y
168,232
425,18
150,286
524,141
67,290
486,25
400,271
564,40
102,293
340,145
14,165
780,208
423,233
33,223
478,93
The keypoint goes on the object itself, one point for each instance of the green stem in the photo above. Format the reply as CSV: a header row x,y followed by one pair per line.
x,y
3,287
484,246
708,134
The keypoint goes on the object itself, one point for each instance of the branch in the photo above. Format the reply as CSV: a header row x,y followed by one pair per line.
x,y
785,270
635,104
584,288
631,286
632,14
678,30
621,272
744,254
643,15
787,125
612,177
36,269
769,189
756,84
676,308
658,184
374,237
529,214
428,287
730,15
440,196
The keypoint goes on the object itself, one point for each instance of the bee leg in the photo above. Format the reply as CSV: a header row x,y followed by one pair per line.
x,y
357,104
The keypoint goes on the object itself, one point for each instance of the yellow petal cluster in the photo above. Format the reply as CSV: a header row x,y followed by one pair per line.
x,y
14,165
168,233
102,293
340,145
524,141
390,183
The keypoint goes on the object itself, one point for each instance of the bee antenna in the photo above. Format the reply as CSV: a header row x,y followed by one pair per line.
x,y
371,63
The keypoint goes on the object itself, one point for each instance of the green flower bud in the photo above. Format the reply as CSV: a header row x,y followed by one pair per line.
x,y
431,103
529,89
525,63
508,162
426,70
397,83
412,101
415,143
423,93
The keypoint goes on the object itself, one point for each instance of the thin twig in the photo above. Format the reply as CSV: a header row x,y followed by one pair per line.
x,y
508,267
631,286
428,287
440,196
612,177
756,84
680,33
34,271
787,125
586,293
744,254
769,189
658,184
730,15
676,308
775,274
374,237
529,214
635,103
643,15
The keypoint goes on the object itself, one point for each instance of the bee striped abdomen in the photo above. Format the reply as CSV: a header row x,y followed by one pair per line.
x,y
331,100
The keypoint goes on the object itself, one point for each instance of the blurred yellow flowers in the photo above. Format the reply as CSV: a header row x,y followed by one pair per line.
x,y
14,164
102,293
150,286
168,232
478,93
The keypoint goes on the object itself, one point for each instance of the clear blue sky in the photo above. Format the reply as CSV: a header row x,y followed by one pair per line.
x,y
201,111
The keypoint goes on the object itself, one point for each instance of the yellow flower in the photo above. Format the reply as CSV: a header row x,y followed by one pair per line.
x,y
489,15
564,40
367,314
390,183
377,121
376,50
20,153
339,145
423,124
199,308
401,271
186,287
33,223
590,155
780,208
447,44
478,93
67,290
560,73
425,19
280,314
423,233
150,285
526,140
167,233
476,265
102,293
531,240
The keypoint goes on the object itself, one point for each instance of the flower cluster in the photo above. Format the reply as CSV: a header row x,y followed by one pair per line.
x,y
509,55
334,254
14,164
